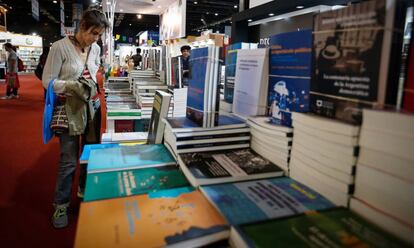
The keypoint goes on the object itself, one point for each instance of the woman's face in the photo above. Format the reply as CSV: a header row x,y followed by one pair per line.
x,y
91,35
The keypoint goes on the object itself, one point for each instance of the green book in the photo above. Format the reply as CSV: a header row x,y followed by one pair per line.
x,y
124,113
331,228
132,182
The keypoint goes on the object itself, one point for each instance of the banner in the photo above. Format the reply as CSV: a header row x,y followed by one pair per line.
x,y
173,21
35,9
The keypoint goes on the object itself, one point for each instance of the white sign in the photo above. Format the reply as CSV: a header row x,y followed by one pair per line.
x,y
69,31
35,9
21,39
254,3
173,21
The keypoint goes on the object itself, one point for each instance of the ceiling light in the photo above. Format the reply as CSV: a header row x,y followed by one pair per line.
x,y
157,26
271,14
121,10
216,14
93,1
249,20
195,2
235,6
139,16
54,1
300,7
130,24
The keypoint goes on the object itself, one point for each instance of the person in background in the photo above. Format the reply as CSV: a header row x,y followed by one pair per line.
x,y
71,60
137,57
185,61
41,65
12,79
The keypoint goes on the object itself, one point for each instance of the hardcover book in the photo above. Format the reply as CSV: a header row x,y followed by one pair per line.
x,y
289,75
89,147
159,112
184,124
252,201
129,157
179,217
354,52
203,168
330,228
116,184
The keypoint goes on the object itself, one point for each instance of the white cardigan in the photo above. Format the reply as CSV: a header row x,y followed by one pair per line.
x,y
65,63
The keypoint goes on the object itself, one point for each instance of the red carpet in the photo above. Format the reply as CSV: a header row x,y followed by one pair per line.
x,y
28,170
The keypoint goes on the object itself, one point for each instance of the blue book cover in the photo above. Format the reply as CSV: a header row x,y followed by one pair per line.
x,y
252,201
197,95
289,75
225,121
88,148
231,59
129,157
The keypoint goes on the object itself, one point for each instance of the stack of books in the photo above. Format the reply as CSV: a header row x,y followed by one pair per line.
x,y
179,100
146,95
324,154
272,141
385,173
183,135
116,85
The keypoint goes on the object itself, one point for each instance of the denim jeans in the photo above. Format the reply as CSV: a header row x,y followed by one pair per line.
x,y
69,154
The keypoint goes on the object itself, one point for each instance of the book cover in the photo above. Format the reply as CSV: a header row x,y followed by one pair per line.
x,y
115,184
89,147
353,49
159,112
198,85
289,75
179,217
252,201
204,168
330,228
230,73
129,157
251,82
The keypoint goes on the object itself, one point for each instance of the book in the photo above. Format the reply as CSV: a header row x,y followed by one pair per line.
x,y
203,168
129,157
124,137
183,124
289,75
179,217
159,112
352,54
401,229
230,73
253,201
389,122
328,228
116,184
251,82
263,123
202,86
324,124
89,147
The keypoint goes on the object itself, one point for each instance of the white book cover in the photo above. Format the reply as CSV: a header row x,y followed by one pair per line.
x,y
251,82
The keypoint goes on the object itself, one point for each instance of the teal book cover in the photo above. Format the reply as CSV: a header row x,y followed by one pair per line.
x,y
129,157
88,148
252,201
332,228
115,184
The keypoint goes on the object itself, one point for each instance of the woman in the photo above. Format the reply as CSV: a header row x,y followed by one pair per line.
x,y
12,79
68,60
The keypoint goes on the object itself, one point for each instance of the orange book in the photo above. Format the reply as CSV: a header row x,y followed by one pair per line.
x,y
179,217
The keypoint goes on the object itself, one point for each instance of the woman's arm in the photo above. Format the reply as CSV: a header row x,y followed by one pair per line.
x,y
53,67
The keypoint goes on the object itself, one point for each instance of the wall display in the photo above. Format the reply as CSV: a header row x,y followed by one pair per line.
x,y
352,52
173,21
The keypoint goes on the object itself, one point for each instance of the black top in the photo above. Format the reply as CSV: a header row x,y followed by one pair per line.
x,y
137,58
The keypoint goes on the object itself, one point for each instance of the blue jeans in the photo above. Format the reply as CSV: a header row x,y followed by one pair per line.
x,y
69,154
